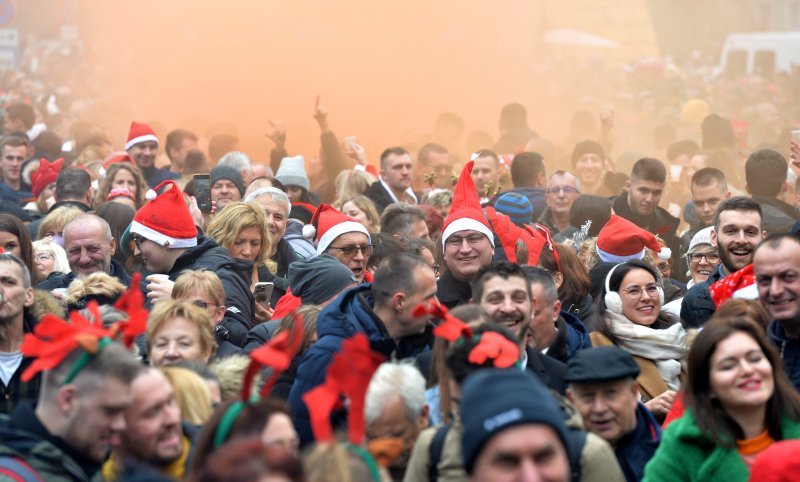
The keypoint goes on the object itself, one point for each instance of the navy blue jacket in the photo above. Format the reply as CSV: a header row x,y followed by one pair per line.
x,y
572,336
155,176
535,195
347,315
697,306
63,280
636,448
789,349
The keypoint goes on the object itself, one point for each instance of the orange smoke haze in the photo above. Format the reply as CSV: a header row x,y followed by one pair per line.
x,y
383,69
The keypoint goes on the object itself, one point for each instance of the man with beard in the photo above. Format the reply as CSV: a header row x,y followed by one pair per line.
x,y
154,434
776,265
737,231
394,185
394,408
503,290
90,247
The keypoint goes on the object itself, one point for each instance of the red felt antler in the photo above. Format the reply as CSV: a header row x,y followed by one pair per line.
x,y
132,303
276,354
348,375
451,328
53,339
496,347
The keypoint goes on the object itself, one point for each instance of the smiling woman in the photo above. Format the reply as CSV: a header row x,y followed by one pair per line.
x,y
739,402
631,318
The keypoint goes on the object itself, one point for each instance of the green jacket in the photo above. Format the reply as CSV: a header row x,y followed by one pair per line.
x,y
686,454
49,462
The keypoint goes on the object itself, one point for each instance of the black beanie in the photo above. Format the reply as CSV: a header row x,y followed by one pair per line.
x,y
316,280
493,400
717,132
587,147
229,173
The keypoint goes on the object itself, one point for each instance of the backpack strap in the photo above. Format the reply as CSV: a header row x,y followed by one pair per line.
x,y
18,470
435,452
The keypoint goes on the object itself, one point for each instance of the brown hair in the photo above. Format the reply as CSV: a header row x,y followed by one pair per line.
x,y
309,315
711,417
739,308
575,278
111,173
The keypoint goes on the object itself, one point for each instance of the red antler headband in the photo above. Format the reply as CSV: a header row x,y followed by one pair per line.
x,y
53,339
451,328
348,375
276,354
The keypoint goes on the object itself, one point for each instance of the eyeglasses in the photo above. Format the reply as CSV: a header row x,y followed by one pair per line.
x,y
348,251
637,291
203,304
436,268
712,258
44,257
137,240
457,241
560,189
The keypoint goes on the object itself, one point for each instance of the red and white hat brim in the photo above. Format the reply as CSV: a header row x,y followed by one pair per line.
x,y
616,258
140,139
464,224
160,238
339,229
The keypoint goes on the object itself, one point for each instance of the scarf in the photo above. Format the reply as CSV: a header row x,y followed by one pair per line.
x,y
666,348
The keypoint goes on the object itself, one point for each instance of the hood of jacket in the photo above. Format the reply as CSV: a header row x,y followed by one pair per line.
x,y
209,255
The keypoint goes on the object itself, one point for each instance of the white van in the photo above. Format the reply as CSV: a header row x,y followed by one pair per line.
x,y
767,53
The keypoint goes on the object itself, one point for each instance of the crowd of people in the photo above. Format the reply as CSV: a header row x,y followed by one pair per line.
x,y
502,309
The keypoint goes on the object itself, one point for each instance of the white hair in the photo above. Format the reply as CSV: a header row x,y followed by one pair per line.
x,y
237,160
273,192
402,379
47,245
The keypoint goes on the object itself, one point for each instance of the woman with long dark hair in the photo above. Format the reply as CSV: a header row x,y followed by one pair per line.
x,y
15,239
739,402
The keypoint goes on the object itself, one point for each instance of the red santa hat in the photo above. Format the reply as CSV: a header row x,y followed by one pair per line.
x,y
465,212
620,240
166,220
740,285
328,223
140,132
46,173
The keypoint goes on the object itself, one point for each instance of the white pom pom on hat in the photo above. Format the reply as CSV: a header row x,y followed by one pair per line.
x,y
309,231
150,195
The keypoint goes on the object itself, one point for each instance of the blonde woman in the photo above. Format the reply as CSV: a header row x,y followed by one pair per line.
x,y
179,331
191,394
361,209
52,226
352,182
241,228
122,175
49,257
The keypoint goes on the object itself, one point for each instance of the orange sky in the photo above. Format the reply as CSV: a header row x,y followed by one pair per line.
x,y
381,68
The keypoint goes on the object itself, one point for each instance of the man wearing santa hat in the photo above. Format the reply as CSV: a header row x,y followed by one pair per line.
x,y
167,240
468,242
342,237
142,146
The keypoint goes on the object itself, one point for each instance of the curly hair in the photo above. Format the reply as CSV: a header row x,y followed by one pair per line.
x,y
106,185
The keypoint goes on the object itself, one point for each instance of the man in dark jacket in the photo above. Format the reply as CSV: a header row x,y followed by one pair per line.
x,y
74,189
639,203
529,178
67,436
168,241
553,332
154,434
503,290
602,386
776,265
383,311
737,232
142,146
394,184
90,247
765,172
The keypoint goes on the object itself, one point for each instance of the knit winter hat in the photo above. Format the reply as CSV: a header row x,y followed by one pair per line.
x,y
493,400
229,173
587,147
620,240
515,206
700,238
139,133
317,279
328,224
46,173
166,220
465,212
292,172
